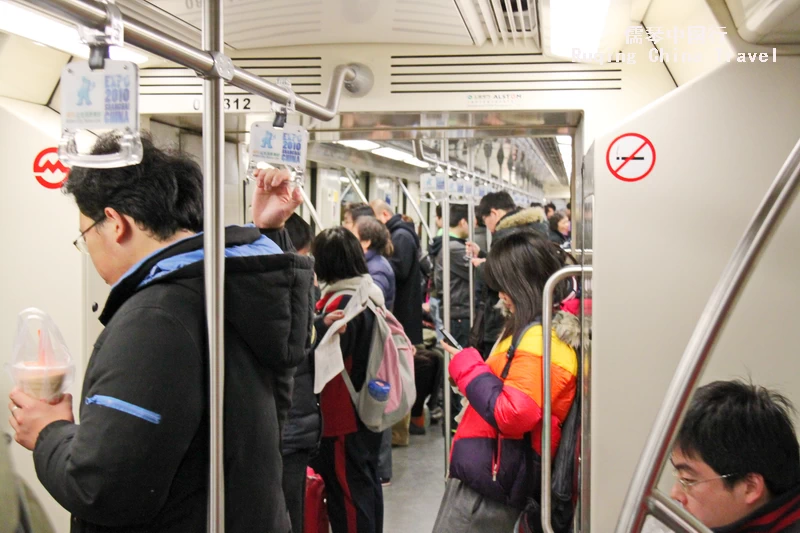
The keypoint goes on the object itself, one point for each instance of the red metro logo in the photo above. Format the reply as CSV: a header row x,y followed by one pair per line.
x,y
46,163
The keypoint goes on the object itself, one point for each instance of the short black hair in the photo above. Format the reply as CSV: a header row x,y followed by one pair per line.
x,y
357,210
439,210
536,204
457,214
555,218
550,205
495,200
568,205
163,193
299,231
738,428
338,255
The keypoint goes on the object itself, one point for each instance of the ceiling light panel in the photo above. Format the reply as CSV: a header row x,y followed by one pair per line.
x,y
359,145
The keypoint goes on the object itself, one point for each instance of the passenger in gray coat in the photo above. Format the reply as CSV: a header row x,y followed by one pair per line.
x,y
459,274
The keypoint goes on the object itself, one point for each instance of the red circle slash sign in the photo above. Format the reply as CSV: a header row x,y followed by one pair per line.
x,y
47,160
631,157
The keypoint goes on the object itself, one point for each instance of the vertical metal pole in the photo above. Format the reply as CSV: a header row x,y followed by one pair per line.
x,y
446,319
547,401
214,243
444,153
471,222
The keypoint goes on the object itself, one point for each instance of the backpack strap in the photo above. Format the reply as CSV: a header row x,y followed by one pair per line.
x,y
513,348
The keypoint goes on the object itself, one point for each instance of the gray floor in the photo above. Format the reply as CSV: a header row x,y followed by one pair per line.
x,y
412,500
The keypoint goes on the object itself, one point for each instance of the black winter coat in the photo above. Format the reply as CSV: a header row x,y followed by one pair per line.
x,y
139,459
531,219
408,276
459,278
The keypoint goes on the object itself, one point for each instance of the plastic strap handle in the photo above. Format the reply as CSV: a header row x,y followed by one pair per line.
x,y
130,153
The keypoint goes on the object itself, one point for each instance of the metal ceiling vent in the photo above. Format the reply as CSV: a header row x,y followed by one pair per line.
x,y
505,21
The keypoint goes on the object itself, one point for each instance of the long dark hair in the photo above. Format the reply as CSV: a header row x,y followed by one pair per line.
x,y
519,265
338,255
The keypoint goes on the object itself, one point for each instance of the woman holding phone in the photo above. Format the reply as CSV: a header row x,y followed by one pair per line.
x,y
496,449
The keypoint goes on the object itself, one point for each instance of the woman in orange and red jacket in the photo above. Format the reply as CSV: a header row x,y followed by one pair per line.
x,y
489,464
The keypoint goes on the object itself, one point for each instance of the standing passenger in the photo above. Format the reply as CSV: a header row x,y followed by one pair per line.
x,y
377,246
348,454
354,211
303,429
139,459
459,275
487,489
559,229
405,261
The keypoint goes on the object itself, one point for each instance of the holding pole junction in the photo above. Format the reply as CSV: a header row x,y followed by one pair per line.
x,y
355,77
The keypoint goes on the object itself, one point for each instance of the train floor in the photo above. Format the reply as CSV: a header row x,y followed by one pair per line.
x,y
412,500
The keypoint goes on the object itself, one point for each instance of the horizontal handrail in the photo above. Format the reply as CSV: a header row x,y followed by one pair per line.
x,y
93,15
704,338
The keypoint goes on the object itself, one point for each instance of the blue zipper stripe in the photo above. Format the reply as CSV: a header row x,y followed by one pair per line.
x,y
125,407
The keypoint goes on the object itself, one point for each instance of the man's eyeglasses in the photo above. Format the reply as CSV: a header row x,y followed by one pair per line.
x,y
686,485
80,242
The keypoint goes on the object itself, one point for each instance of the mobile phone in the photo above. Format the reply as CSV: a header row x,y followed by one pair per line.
x,y
450,340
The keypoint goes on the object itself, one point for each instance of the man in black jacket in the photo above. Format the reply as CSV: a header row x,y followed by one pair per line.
x,y
139,460
408,275
501,217
304,428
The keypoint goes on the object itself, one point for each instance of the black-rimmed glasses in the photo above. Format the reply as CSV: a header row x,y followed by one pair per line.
x,y
80,242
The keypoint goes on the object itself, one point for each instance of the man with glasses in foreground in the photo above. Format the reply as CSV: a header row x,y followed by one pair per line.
x,y
737,461
139,459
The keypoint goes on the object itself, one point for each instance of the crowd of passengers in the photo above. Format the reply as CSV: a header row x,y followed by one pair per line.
x,y
736,456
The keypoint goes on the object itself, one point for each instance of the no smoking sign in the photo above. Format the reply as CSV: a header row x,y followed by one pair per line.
x,y
631,157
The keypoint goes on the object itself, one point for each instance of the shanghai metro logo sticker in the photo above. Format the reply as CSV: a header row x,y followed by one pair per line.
x,y
47,163
631,157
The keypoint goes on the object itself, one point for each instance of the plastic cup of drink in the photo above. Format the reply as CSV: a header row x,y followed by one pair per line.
x,y
41,382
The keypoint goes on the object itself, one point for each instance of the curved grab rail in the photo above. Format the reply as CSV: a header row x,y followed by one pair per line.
x,y
642,497
547,403
416,209
92,14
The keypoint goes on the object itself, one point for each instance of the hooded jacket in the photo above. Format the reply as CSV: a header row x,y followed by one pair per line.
x,y
488,452
408,275
139,459
531,218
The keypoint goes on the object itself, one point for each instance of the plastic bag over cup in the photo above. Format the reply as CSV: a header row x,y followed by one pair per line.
x,y
41,364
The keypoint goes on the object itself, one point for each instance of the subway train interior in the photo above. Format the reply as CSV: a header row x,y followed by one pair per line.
x,y
667,130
